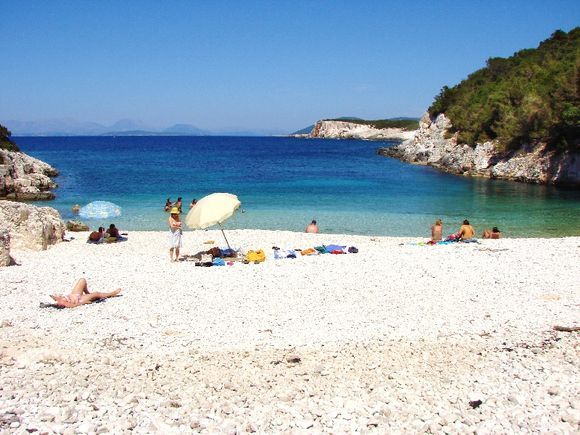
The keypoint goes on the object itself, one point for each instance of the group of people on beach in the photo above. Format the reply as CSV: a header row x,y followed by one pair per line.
x,y
466,232
80,294
179,204
112,234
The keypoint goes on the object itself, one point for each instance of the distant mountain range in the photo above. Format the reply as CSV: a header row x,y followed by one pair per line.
x,y
124,127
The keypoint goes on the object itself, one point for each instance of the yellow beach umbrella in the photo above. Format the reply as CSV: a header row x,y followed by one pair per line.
x,y
212,210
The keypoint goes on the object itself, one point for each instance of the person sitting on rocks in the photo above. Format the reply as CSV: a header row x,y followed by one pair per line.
x,y
495,233
96,236
80,295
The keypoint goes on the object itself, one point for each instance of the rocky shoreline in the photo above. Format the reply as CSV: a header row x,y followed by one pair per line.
x,y
24,178
352,130
533,164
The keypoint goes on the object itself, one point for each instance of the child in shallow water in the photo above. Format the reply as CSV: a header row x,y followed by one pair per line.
x,y
80,295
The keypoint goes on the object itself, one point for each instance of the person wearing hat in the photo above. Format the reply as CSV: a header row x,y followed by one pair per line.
x,y
495,233
175,233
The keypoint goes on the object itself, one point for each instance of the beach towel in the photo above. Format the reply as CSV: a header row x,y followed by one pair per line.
x,y
331,248
218,262
228,252
283,253
309,251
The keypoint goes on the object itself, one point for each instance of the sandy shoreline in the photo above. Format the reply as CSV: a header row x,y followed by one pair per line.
x,y
396,337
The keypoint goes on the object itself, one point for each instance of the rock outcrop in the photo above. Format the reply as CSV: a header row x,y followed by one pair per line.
x,y
352,130
5,259
25,178
76,226
532,164
31,227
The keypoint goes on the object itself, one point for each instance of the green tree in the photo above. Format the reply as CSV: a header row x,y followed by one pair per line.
x,y
531,96
5,142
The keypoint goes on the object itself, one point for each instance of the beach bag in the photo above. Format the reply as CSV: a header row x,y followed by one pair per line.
x,y
309,251
353,250
256,256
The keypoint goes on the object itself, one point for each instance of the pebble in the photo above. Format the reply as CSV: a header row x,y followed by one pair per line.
x,y
354,348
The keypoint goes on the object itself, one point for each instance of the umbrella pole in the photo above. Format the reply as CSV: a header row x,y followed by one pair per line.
x,y
228,243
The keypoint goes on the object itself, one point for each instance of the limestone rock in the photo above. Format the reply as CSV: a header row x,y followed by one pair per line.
x,y
31,227
25,178
532,164
352,130
5,259
76,226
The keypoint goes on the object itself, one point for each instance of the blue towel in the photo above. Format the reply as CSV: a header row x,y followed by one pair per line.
x,y
330,248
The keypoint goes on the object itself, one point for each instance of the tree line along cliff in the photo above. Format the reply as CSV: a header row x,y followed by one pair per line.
x,y
530,97
5,141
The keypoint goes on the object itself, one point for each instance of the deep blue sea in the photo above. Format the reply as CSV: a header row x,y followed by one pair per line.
x,y
283,183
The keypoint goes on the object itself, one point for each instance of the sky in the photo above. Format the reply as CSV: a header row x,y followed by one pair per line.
x,y
251,64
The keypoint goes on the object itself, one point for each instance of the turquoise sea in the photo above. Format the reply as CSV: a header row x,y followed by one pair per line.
x,y
283,183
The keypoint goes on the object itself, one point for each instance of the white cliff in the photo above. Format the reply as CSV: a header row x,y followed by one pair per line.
x,y
533,164
23,177
352,130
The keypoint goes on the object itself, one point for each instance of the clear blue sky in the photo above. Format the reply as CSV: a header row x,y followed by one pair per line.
x,y
253,64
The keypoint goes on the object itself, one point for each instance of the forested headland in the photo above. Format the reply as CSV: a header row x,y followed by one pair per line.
x,y
530,97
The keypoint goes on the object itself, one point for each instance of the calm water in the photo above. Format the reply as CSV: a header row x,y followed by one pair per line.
x,y
283,183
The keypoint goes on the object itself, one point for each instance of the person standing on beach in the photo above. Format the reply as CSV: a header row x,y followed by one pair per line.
x,y
437,231
312,228
175,233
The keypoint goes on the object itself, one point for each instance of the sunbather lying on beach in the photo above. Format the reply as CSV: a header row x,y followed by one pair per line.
x,y
80,295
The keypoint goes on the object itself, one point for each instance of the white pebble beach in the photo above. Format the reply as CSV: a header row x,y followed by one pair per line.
x,y
398,337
